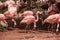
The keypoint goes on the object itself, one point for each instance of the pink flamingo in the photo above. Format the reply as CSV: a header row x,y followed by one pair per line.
x,y
26,13
10,16
1,3
53,19
18,2
29,19
8,2
12,9
21,3
57,0
43,1
52,9
2,18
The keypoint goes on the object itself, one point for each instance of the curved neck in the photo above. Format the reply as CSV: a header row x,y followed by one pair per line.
x,y
37,17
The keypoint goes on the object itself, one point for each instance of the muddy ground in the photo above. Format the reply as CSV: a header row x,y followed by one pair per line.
x,y
28,35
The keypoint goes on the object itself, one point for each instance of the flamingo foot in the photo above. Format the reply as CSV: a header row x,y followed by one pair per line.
x,y
34,28
57,33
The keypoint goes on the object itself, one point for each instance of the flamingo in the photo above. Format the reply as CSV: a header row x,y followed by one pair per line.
x,y
2,19
26,13
12,9
42,1
21,3
9,2
2,6
58,5
1,3
44,4
52,9
53,19
57,0
29,13
28,20
10,16
18,2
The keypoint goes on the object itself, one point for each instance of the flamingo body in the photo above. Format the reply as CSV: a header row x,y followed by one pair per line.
x,y
28,20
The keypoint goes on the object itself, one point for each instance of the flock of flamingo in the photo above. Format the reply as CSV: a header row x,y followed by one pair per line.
x,y
30,16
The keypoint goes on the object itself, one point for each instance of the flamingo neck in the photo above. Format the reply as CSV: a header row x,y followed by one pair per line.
x,y
36,18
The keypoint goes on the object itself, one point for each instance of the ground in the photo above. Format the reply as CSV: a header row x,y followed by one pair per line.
x,y
28,35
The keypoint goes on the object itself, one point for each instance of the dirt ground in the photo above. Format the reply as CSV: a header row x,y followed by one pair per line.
x,y
28,35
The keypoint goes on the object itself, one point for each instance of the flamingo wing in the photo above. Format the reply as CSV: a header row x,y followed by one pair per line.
x,y
28,19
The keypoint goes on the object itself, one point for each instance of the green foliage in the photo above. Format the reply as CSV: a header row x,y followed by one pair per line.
x,y
2,28
6,0
15,0
3,0
2,11
39,7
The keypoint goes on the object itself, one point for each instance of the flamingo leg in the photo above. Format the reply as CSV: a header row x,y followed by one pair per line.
x,y
0,23
48,27
29,26
52,28
26,27
57,28
34,25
